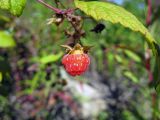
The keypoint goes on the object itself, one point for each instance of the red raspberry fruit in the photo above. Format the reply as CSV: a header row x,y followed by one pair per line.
x,y
76,62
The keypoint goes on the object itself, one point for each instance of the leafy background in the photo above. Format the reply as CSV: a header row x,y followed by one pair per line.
x,y
34,85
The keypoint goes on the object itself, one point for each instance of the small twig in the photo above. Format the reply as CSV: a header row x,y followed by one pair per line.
x,y
56,10
74,20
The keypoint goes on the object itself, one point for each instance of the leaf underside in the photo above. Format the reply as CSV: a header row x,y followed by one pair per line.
x,y
116,14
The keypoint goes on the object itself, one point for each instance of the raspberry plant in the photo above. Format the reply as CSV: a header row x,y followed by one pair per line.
x,y
40,72
108,12
98,11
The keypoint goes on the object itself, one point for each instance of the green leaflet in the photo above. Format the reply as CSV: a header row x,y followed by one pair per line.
x,y
116,14
131,76
15,7
132,55
50,58
6,40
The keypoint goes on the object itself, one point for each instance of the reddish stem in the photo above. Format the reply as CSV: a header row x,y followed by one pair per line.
x,y
56,10
148,20
148,65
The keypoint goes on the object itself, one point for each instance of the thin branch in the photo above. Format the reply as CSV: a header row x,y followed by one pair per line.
x,y
149,13
56,10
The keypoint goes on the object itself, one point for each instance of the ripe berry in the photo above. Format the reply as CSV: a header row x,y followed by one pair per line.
x,y
76,62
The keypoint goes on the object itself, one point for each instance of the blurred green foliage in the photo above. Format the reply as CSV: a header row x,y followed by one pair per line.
x,y
6,40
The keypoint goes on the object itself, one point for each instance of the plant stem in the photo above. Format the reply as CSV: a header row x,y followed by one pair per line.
x,y
148,19
56,10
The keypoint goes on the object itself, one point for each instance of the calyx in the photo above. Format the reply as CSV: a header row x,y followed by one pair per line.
x,y
77,49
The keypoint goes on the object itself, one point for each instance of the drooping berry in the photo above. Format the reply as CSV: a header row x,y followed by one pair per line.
x,y
76,62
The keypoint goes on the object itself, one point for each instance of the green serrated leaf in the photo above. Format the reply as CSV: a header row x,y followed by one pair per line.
x,y
131,76
15,7
132,55
50,58
116,14
6,40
